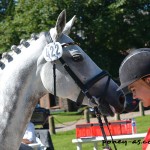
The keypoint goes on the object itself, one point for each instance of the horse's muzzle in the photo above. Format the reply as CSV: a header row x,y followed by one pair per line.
x,y
122,99
121,104
108,109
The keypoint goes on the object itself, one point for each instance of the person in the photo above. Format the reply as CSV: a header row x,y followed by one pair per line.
x,y
29,136
134,74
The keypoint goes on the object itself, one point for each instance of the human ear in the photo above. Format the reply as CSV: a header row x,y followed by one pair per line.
x,y
147,80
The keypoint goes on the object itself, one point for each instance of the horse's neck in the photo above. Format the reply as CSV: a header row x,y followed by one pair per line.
x,y
20,88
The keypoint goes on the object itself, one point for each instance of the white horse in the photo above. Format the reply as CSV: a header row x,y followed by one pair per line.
x,y
26,75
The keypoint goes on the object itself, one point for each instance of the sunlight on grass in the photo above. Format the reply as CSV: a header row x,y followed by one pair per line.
x,y
143,123
64,118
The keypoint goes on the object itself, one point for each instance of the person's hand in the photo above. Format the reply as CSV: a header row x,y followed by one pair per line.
x,y
26,141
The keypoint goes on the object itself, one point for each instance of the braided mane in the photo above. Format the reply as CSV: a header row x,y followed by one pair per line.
x,y
7,57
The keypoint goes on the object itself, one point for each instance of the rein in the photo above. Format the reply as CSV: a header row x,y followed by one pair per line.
x,y
84,88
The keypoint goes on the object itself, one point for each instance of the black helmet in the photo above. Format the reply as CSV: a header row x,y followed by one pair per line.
x,y
135,66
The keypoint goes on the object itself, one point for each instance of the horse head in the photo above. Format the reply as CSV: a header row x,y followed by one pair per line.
x,y
77,76
27,73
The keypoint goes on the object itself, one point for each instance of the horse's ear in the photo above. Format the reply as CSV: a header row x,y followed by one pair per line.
x,y
69,25
61,22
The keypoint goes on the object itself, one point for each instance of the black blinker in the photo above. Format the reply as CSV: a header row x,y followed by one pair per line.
x,y
77,57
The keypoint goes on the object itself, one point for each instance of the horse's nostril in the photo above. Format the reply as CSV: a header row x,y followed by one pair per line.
x,y
122,99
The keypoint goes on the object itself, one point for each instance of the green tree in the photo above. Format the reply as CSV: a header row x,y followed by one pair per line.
x,y
106,29
29,16
7,8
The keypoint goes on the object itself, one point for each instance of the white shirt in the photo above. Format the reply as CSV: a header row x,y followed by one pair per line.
x,y
30,133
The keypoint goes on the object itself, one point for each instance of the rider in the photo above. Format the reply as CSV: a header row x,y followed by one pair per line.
x,y
134,74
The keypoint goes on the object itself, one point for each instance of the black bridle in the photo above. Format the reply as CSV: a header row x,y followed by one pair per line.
x,y
84,87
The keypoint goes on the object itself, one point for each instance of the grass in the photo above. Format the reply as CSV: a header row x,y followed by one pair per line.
x,y
143,123
63,140
67,117
63,119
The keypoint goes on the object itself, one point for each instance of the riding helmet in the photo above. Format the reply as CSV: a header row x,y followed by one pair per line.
x,y
135,66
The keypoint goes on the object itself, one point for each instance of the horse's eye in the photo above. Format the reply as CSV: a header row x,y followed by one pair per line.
x,y
77,57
